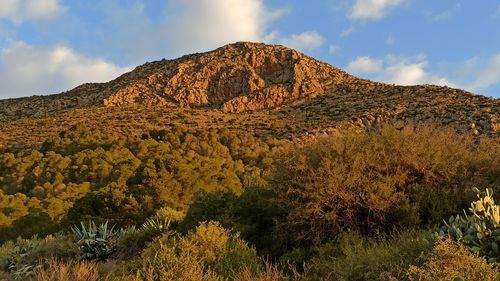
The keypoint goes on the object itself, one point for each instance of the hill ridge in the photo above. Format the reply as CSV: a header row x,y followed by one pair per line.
x,y
301,95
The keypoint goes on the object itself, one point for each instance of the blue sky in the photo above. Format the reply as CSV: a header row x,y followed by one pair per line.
x,y
48,46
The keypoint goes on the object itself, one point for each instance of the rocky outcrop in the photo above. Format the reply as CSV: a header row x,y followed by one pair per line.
x,y
236,78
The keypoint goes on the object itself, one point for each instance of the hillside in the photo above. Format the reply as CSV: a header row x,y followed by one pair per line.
x,y
251,162
277,90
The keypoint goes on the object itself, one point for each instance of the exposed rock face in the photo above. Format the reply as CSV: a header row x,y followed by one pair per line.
x,y
238,77
235,78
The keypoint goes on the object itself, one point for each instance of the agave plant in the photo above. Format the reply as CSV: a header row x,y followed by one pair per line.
x,y
96,242
162,221
16,261
480,229
156,225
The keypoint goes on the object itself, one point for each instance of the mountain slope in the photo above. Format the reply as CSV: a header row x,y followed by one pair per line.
x,y
277,90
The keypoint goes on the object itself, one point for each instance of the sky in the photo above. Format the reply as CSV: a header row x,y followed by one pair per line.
x,y
50,46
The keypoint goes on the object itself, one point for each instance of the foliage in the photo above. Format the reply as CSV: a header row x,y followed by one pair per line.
x,y
353,257
251,214
96,242
375,181
54,269
480,230
450,261
209,252
91,175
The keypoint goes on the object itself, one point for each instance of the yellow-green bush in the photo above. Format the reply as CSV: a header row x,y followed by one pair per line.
x,y
208,252
448,261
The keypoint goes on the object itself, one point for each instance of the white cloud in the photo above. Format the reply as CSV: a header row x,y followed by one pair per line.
x,y
347,32
19,11
186,26
304,41
497,12
476,73
373,9
205,24
365,65
389,40
28,70
333,49
442,16
397,70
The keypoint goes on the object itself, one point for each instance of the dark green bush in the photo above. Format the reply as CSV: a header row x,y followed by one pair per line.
x,y
353,257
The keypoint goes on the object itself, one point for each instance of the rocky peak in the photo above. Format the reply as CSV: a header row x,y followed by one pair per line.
x,y
236,77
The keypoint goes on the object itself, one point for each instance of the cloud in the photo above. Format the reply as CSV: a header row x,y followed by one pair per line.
x,y
205,24
19,11
442,16
389,40
185,26
367,10
497,12
396,69
476,73
333,49
347,32
304,41
365,65
27,69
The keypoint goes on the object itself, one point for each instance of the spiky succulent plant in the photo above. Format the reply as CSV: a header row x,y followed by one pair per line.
x,y
96,242
479,229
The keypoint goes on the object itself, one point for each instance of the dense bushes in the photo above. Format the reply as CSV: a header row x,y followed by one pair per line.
x,y
378,180
82,175
193,205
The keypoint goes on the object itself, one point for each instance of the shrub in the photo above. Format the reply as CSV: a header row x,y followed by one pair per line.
x,y
209,251
375,181
56,270
451,261
353,257
21,257
133,240
215,247
251,214
269,273
161,262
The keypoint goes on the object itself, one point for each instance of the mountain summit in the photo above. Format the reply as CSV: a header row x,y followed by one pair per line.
x,y
235,78
294,94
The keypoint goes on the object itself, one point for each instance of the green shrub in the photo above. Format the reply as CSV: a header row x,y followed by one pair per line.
x,y
353,257
133,240
252,214
22,256
451,261
161,262
208,250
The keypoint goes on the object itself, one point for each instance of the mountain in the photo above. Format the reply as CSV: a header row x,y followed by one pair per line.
x,y
272,90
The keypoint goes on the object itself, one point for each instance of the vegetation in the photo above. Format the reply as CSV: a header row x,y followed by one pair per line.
x,y
213,205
